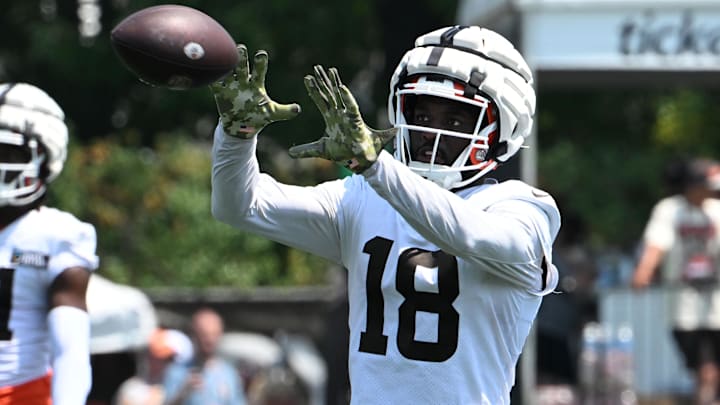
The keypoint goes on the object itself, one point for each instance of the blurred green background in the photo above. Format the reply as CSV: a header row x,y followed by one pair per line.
x,y
139,164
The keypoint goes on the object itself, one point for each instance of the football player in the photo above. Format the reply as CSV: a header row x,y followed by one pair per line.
x,y
46,256
446,269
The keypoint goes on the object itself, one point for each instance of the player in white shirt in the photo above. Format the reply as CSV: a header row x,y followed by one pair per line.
x,y
46,257
682,240
446,271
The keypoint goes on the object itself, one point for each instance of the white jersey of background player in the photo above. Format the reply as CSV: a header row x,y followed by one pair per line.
x,y
446,274
46,256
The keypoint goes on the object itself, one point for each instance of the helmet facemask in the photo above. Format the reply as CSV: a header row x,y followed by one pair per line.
x,y
449,156
21,169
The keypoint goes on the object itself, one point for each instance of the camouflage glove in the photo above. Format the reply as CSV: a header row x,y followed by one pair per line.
x,y
348,140
242,100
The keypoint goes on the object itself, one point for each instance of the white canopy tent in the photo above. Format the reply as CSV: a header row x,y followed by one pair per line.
x,y
256,350
121,317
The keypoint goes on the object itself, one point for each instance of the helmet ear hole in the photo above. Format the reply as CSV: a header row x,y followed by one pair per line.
x,y
477,155
498,149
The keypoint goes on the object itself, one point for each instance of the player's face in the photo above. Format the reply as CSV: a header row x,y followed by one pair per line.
x,y
441,113
207,331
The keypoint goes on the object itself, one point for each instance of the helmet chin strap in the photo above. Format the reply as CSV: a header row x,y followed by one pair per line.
x,y
39,190
447,179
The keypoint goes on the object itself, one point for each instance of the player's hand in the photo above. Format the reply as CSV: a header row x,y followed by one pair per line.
x,y
242,101
347,140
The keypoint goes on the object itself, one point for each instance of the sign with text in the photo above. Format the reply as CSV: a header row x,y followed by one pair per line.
x,y
671,40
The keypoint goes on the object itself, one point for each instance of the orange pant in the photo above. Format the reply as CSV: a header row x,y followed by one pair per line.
x,y
35,392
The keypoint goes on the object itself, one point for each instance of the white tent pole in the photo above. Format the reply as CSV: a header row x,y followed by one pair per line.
x,y
529,155
528,360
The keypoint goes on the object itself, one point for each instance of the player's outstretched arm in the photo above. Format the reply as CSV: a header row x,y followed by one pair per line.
x,y
242,101
347,140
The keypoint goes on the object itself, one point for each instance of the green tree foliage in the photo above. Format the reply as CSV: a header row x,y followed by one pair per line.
x,y
151,208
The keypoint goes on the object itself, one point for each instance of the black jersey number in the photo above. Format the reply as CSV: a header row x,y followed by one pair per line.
x,y
6,289
372,339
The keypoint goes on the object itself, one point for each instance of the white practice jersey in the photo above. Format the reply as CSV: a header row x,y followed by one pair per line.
x,y
689,236
443,288
34,250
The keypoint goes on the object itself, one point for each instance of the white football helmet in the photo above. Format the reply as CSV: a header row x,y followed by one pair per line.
x,y
31,119
471,65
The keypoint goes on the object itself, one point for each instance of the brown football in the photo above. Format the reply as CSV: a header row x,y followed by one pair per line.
x,y
174,46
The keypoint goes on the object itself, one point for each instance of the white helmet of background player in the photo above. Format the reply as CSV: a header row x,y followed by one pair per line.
x,y
32,120
470,65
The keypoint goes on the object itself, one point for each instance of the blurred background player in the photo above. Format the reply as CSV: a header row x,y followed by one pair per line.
x,y
446,271
46,257
681,238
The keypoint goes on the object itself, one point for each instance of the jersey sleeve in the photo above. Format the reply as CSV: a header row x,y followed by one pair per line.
x,y
75,246
510,237
660,230
242,196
